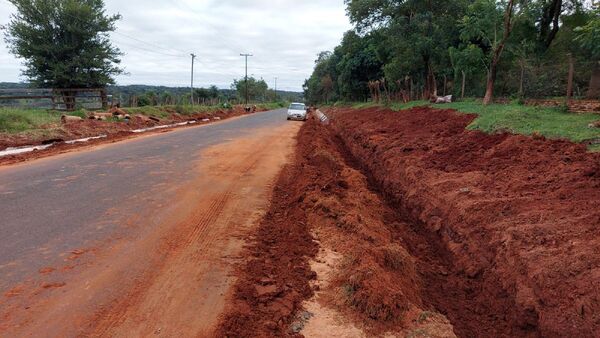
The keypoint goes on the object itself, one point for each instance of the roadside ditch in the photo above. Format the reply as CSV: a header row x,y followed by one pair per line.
x,y
406,224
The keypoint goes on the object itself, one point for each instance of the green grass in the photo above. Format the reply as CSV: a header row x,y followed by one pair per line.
x,y
553,123
165,111
17,120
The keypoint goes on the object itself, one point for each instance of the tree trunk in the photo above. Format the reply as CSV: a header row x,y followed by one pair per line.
x,y
521,92
491,79
570,79
462,94
489,90
445,83
594,89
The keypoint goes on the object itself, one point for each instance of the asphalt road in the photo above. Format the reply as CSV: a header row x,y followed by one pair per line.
x,y
50,207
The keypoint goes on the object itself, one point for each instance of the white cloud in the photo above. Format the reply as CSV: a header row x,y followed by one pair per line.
x,y
284,36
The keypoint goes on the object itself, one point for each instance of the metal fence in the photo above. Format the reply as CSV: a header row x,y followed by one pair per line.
x,y
67,99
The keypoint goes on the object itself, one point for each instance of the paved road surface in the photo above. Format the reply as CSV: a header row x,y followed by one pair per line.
x,y
52,206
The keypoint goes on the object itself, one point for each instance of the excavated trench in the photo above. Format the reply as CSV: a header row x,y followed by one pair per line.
x,y
476,306
439,231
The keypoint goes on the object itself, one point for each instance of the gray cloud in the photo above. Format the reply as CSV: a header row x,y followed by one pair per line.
x,y
284,36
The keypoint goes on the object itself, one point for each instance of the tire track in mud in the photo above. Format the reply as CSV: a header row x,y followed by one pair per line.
x,y
205,228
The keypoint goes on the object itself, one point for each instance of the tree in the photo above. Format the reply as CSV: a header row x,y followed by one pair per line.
x,y
257,89
326,86
65,43
589,39
415,36
549,22
325,66
358,65
497,47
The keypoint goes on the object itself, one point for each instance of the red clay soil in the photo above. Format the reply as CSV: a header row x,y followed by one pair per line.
x,y
518,217
115,131
275,280
376,284
440,230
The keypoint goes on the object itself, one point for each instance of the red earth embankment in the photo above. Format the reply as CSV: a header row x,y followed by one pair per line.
x,y
519,216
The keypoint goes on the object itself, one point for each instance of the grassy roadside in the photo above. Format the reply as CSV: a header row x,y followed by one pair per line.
x,y
553,123
40,121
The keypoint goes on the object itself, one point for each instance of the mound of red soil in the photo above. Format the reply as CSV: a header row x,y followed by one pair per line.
x,y
519,218
376,284
275,280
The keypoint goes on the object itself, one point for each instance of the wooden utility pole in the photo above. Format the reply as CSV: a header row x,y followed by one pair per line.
x,y
192,84
246,77
570,79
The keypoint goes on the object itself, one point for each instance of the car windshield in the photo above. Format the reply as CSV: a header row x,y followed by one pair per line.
x,y
297,107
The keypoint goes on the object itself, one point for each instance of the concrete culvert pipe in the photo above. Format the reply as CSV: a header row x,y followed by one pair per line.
x,y
67,119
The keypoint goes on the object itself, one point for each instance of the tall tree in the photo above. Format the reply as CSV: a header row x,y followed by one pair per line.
x,y
65,43
549,22
417,35
509,11
257,89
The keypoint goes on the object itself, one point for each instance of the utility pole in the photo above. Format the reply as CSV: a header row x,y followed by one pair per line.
x,y
192,85
275,88
246,77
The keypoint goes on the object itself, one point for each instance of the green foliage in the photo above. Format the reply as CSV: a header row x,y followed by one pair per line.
x,y
588,35
65,43
257,89
418,47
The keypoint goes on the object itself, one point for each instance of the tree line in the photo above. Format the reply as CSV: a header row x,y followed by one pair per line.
x,y
418,49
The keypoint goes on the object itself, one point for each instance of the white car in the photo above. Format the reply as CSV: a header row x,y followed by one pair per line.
x,y
297,111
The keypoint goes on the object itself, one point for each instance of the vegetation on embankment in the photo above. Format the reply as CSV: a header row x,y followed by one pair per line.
x,y
551,122
17,120
31,120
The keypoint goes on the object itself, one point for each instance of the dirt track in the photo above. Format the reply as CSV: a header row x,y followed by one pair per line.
x,y
174,279
406,224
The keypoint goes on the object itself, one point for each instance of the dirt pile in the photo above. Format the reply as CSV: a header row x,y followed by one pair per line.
x,y
517,217
275,280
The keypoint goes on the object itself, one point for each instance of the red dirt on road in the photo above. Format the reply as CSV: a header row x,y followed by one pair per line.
x,y
415,225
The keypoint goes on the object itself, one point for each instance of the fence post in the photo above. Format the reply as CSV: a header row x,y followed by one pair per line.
x,y
104,99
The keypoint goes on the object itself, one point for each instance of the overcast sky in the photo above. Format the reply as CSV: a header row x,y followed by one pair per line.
x,y
157,37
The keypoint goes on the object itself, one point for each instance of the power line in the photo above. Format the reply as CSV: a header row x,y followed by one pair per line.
x,y
191,10
149,50
148,43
